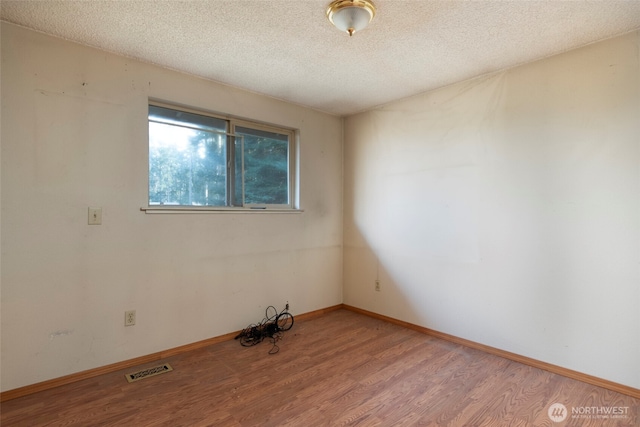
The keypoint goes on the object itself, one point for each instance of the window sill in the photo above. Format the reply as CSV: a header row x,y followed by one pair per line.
x,y
215,210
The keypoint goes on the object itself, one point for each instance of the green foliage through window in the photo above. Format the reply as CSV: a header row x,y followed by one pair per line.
x,y
193,156
266,162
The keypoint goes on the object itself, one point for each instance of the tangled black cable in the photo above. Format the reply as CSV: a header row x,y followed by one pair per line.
x,y
271,326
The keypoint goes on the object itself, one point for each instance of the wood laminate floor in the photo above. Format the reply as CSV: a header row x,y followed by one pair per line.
x,y
341,368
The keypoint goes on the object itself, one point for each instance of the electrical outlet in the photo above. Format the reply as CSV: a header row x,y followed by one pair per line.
x,y
129,318
377,285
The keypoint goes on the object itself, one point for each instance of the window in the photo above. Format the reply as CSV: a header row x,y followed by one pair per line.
x,y
199,160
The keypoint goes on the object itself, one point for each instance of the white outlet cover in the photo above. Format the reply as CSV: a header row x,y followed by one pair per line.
x,y
129,318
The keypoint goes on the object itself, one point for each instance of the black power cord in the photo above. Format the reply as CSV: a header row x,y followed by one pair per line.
x,y
271,326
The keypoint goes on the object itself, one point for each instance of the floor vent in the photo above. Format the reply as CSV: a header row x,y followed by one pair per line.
x,y
149,372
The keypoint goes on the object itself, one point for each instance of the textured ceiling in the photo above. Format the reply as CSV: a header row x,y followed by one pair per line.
x,y
287,49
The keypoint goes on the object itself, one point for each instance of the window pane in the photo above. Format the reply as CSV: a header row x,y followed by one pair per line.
x,y
177,117
266,166
187,159
237,189
193,161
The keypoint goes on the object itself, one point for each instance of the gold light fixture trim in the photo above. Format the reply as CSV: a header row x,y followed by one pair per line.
x,y
351,15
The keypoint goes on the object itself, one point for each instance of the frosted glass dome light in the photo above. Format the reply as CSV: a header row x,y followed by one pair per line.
x,y
351,15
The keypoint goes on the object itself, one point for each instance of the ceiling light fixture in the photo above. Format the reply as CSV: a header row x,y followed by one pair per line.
x,y
351,15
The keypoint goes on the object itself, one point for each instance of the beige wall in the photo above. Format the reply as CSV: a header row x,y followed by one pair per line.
x,y
74,135
505,210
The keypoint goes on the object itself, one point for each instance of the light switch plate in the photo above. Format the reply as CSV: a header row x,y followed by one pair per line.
x,y
95,216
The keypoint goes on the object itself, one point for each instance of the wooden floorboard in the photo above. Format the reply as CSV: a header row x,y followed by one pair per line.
x,y
340,369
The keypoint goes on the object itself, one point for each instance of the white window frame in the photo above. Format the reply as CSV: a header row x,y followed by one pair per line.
x,y
232,123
